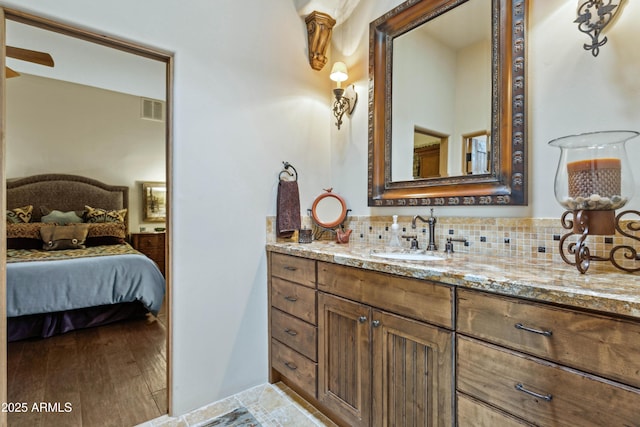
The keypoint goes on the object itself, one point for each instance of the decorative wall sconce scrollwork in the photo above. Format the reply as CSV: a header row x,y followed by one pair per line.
x,y
593,17
346,98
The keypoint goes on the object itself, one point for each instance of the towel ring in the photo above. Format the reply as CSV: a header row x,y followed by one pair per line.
x,y
288,165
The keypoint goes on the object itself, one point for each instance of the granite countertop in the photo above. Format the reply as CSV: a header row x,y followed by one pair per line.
x,y
556,282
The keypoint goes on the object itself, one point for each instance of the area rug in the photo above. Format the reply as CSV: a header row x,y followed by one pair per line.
x,y
239,417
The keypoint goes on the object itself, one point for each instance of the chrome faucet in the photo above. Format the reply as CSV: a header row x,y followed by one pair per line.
x,y
432,229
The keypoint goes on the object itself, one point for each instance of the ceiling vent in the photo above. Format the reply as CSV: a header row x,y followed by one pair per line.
x,y
151,109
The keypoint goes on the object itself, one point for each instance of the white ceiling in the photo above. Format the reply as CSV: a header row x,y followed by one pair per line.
x,y
464,25
87,63
340,10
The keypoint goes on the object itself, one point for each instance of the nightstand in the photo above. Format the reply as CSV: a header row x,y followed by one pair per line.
x,y
152,245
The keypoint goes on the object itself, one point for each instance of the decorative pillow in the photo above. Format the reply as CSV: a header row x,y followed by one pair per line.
x,y
24,243
19,215
56,237
106,233
44,211
24,235
102,215
29,230
61,218
103,241
107,229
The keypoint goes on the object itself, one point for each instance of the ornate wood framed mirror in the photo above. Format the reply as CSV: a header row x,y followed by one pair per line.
x,y
455,69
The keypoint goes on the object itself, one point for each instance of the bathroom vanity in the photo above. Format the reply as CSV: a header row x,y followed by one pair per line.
x,y
467,340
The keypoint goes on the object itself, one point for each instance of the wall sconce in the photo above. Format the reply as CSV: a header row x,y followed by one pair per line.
x,y
593,16
346,99
592,181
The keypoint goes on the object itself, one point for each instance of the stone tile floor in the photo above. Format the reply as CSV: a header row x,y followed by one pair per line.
x,y
273,405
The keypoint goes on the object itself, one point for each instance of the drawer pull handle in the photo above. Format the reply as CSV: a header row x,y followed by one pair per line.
x,y
362,319
375,323
291,332
535,331
290,366
292,299
290,268
546,397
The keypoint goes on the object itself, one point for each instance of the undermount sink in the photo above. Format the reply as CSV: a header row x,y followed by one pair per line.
x,y
407,256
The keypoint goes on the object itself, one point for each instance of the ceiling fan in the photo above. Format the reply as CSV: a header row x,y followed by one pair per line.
x,y
34,56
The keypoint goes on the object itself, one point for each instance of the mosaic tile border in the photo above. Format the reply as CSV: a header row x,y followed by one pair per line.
x,y
537,238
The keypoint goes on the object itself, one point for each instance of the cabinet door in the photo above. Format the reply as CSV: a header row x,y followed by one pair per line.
x,y
412,373
344,358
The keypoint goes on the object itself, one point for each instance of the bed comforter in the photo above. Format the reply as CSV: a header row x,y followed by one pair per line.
x,y
45,282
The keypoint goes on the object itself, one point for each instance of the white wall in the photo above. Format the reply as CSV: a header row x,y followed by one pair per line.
x,y
60,127
246,100
569,92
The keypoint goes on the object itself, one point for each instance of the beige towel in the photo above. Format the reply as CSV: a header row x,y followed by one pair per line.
x,y
288,209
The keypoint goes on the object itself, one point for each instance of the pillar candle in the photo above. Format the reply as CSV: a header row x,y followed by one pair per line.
x,y
594,176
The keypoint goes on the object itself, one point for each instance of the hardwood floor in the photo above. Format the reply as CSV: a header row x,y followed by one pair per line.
x,y
113,375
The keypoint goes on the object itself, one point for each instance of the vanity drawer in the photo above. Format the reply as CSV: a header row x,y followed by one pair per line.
x,y
491,374
294,299
473,413
419,299
295,333
295,269
589,342
294,366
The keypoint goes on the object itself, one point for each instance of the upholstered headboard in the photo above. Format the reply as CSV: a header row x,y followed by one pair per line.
x,y
65,193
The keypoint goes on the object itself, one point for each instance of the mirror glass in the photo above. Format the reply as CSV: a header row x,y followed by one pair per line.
x,y
329,210
447,104
442,94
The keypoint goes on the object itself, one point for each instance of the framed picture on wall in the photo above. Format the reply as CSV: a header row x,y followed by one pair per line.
x,y
154,202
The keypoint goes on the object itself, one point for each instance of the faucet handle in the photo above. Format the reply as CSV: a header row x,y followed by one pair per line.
x,y
414,240
448,247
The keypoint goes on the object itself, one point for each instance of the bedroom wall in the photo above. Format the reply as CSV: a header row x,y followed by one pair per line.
x,y
245,100
85,131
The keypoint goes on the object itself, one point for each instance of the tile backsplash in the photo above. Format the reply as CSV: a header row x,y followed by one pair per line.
x,y
520,237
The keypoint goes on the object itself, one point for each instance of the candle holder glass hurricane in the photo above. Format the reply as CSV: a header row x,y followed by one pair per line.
x,y
592,181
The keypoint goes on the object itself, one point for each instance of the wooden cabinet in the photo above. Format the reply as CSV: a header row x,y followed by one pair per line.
x,y
418,299
152,245
375,349
293,322
412,372
545,365
381,368
344,358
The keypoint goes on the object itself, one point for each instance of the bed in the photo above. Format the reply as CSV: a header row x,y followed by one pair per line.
x,y
68,263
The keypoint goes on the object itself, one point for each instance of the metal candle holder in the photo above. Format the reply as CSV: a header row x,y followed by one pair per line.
x,y
592,181
586,222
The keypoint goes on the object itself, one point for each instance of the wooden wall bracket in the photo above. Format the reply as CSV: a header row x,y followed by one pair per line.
x,y
319,28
